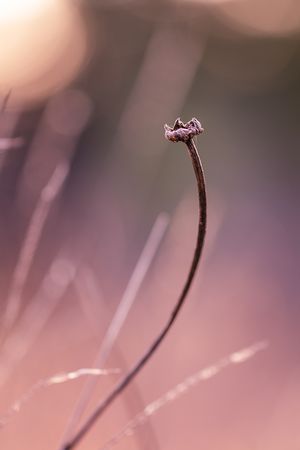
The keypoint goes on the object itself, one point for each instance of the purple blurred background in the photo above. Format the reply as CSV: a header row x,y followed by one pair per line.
x,y
85,174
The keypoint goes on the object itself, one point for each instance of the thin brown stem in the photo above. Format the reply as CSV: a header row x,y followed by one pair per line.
x,y
185,133
119,318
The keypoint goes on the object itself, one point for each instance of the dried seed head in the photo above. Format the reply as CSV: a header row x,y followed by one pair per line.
x,y
183,131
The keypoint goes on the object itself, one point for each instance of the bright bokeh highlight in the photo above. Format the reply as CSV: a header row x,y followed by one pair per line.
x,y
43,47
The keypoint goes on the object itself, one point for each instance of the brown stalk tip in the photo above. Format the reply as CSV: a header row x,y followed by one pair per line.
x,y
183,131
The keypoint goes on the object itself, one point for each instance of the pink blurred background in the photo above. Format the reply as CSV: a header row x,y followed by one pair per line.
x,y
86,174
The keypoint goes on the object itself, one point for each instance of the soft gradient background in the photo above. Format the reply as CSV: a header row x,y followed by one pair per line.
x,y
84,173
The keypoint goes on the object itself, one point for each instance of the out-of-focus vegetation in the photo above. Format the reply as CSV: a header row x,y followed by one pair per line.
x,y
84,173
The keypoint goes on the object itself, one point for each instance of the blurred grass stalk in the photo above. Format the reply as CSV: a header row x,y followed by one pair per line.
x,y
175,393
30,245
118,320
177,55
53,287
64,119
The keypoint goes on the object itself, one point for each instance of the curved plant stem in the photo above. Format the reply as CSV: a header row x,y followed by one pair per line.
x,y
185,133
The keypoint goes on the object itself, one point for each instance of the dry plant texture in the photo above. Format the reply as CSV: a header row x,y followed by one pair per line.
x,y
98,223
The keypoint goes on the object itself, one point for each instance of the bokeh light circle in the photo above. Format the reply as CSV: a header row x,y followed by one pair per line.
x,y
43,47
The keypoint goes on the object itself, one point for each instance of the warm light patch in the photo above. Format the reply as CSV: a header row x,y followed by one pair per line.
x,y
262,17
43,47
14,10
